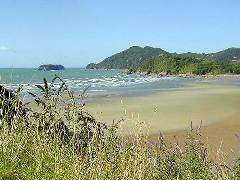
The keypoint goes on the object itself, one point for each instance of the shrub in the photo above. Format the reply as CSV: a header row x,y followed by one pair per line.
x,y
62,141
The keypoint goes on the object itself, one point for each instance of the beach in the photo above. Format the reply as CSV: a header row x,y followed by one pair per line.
x,y
172,110
215,107
166,104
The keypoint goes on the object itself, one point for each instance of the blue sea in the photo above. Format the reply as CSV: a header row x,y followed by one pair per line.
x,y
101,82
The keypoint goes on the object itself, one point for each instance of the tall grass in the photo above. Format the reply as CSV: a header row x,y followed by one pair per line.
x,y
58,139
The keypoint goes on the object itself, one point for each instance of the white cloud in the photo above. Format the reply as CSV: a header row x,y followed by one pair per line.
x,y
6,49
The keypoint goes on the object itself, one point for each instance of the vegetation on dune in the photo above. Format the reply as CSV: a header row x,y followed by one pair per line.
x,y
62,141
169,64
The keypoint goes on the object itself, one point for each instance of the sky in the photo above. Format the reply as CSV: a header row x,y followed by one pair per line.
x,y
77,32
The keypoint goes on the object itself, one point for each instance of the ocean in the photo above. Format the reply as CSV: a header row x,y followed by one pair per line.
x,y
101,82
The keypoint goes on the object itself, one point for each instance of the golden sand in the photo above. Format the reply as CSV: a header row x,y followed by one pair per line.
x,y
171,110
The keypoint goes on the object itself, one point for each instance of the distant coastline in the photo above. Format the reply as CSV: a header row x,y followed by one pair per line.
x,y
136,56
188,76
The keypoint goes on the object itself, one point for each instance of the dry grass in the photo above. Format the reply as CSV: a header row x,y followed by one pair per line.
x,y
40,149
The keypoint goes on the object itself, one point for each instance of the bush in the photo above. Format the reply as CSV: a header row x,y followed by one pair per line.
x,y
62,141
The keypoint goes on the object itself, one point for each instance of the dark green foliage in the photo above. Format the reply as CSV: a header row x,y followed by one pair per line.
x,y
131,57
135,56
91,66
230,54
174,64
207,67
235,68
167,63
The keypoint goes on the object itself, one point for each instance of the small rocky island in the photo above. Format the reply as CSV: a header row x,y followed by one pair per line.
x,y
51,67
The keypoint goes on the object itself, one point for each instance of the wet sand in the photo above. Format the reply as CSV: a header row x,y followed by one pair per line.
x,y
171,111
220,138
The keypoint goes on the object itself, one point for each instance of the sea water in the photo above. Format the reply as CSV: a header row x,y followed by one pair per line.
x,y
100,81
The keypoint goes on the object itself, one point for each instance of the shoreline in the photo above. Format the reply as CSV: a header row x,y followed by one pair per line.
x,y
171,111
213,106
137,92
207,76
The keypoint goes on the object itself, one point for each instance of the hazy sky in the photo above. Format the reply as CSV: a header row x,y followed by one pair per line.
x,y
76,32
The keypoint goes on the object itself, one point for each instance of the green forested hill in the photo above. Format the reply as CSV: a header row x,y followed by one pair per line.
x,y
129,58
230,54
135,56
174,64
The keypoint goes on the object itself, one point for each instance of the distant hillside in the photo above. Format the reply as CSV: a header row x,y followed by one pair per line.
x,y
50,67
174,64
129,58
190,54
135,56
230,54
